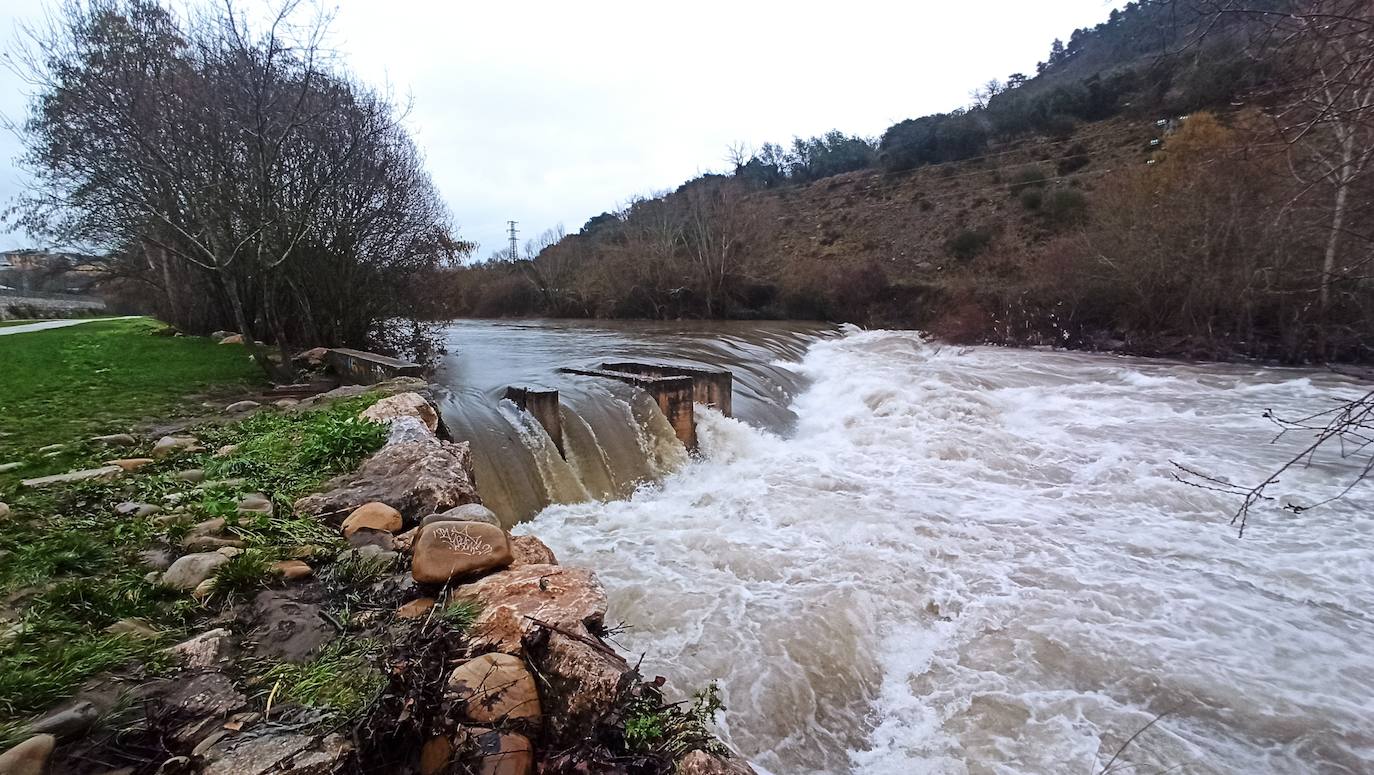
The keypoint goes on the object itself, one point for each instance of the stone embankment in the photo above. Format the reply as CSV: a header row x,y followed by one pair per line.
x,y
492,656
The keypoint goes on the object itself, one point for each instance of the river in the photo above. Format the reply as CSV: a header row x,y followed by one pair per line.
x,y
904,558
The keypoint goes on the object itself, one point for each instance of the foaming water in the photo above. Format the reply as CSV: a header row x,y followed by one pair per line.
x,y
978,561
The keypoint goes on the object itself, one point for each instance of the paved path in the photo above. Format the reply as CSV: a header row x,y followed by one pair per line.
x,y
44,325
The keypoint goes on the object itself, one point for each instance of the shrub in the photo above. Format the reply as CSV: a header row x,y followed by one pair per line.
x,y
1030,177
1032,198
1076,158
1065,207
968,243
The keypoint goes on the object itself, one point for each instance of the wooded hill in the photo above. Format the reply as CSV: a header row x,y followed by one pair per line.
x,y
1180,179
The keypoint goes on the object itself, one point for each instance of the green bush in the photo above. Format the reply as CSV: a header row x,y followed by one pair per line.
x,y
1030,177
969,243
1065,207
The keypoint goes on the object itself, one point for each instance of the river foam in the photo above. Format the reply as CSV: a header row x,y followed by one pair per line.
x,y
978,561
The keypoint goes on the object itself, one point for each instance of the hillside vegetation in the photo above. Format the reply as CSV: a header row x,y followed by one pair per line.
x,y
1166,183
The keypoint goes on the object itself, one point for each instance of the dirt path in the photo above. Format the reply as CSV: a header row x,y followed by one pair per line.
x,y
44,325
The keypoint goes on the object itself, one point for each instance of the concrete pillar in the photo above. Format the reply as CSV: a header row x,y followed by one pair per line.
x,y
675,399
712,387
543,405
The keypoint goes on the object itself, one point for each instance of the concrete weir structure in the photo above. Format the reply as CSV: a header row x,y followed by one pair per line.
x,y
355,367
676,390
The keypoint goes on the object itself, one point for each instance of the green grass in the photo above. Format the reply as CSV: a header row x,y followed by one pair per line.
x,y
461,614
340,679
70,565
67,384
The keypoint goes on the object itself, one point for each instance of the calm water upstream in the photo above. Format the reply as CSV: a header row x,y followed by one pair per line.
x,y
902,558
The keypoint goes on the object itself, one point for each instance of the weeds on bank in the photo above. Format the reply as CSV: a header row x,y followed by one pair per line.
x,y
670,730
461,614
341,679
292,453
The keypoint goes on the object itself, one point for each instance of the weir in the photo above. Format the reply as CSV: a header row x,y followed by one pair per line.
x,y
543,406
355,367
674,396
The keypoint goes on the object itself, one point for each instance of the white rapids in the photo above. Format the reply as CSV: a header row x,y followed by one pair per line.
x,y
978,561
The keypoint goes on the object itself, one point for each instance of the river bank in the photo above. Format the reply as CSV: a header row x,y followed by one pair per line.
x,y
189,607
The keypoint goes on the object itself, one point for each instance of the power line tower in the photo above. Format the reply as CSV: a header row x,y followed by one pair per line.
x,y
514,256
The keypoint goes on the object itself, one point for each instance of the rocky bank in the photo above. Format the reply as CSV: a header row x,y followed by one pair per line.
x,y
475,651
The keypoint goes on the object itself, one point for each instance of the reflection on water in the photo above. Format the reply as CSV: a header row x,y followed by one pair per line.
x,y
616,439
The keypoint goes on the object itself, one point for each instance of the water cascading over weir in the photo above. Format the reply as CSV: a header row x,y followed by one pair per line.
x,y
675,389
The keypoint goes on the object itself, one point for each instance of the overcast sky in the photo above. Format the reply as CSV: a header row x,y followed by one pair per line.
x,y
549,113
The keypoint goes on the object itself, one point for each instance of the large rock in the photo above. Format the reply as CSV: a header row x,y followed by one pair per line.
x,y
67,722
375,516
275,751
503,753
4,510
529,550
403,405
702,763
241,406
136,509
583,678
71,477
494,688
455,550
188,572
7,467
170,445
115,440
415,477
313,358
468,512
569,598
232,339
29,757
288,628
204,650
129,463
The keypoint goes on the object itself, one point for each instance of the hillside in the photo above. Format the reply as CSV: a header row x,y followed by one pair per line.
x,y
1138,193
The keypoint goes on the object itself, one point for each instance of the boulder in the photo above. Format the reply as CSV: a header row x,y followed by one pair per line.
x,y
71,477
29,757
275,751
582,677
313,358
414,477
374,515
286,403
703,763
569,598
136,509
129,463
50,448
435,755
255,503
232,339
4,510
170,445
503,753
211,543
403,405
495,688
115,440
405,541
188,572
292,570
68,721
529,550
366,536
241,406
220,336
227,450
415,608
287,628
5,468
468,512
454,550
202,651
192,475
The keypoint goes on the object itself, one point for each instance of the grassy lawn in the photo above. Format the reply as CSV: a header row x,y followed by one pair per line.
x,y
71,567
67,384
